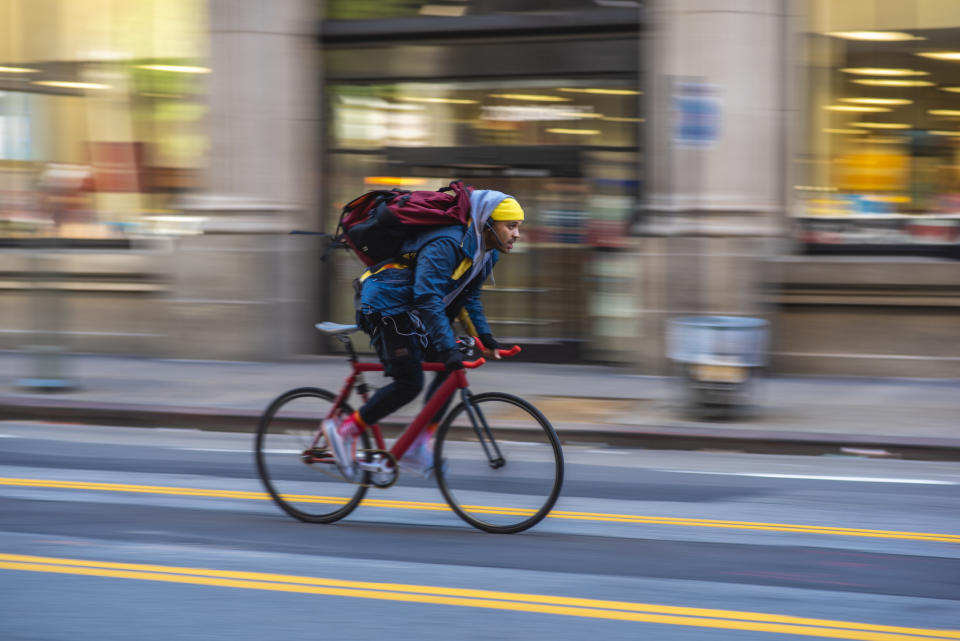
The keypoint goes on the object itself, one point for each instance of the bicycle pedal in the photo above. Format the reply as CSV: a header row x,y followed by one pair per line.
x,y
376,460
316,455
382,466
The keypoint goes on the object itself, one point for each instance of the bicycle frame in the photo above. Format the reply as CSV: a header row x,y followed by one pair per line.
x,y
456,380
379,465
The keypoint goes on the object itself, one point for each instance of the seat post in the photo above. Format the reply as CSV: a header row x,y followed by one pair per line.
x,y
348,343
361,383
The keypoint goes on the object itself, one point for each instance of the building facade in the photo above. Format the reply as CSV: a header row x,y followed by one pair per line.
x,y
793,160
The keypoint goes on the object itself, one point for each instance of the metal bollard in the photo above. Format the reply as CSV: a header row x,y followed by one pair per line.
x,y
717,357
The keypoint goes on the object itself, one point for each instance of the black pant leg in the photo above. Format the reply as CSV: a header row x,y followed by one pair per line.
x,y
435,384
398,346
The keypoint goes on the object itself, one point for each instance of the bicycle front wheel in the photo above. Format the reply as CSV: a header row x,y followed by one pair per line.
x,y
297,469
499,463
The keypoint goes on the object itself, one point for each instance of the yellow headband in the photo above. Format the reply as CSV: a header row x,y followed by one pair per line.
x,y
508,209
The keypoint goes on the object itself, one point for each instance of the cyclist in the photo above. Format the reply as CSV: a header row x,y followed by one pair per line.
x,y
407,308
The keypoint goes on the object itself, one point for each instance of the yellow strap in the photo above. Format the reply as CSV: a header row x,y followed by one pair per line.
x,y
464,319
461,268
369,273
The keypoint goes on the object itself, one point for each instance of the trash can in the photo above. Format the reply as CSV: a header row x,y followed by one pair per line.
x,y
718,358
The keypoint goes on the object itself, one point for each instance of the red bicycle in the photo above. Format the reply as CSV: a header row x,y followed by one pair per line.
x,y
498,460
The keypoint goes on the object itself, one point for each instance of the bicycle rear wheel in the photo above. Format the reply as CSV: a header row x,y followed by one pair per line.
x,y
294,464
499,463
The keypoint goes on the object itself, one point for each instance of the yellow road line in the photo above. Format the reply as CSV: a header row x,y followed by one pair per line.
x,y
753,525
435,506
533,603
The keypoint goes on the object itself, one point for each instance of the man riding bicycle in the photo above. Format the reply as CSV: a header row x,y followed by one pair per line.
x,y
407,308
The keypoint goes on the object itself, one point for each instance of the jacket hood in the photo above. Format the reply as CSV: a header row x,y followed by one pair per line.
x,y
482,204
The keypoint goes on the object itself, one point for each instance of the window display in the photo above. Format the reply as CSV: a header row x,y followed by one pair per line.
x,y
101,112
880,166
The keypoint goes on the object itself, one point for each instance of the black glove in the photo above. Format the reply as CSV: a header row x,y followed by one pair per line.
x,y
452,359
489,342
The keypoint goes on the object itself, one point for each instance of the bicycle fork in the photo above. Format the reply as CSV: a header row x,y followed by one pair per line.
x,y
482,429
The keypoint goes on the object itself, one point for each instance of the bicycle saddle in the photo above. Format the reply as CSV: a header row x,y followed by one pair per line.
x,y
332,329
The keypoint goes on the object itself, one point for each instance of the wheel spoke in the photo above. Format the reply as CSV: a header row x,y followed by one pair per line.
x,y
306,486
499,450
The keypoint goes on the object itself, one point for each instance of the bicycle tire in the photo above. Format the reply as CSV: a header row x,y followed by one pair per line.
x,y
302,489
529,479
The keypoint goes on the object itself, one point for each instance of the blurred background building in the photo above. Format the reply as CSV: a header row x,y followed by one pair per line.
x,y
795,160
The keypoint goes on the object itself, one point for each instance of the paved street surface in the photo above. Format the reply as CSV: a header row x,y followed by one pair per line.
x,y
156,534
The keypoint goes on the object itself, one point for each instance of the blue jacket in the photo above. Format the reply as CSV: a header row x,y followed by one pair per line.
x,y
448,267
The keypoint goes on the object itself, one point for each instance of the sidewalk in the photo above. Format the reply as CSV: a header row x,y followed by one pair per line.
x,y
593,404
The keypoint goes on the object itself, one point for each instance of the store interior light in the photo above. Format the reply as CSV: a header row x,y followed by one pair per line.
x,y
883,140
610,92
943,132
18,70
876,36
175,68
533,97
446,101
619,119
950,56
831,130
878,101
944,112
579,114
884,71
857,108
950,89
394,181
398,106
575,132
175,218
890,82
68,84
881,125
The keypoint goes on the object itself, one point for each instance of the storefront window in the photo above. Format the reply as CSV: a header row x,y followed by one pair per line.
x,y
881,163
101,107
566,148
413,134
540,99
552,112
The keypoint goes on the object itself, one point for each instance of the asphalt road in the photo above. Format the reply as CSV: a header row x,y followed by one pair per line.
x,y
119,533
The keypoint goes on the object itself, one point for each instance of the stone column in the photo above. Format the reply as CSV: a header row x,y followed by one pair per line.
x,y
716,158
245,288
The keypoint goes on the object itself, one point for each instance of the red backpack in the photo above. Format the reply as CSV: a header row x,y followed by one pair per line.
x,y
376,224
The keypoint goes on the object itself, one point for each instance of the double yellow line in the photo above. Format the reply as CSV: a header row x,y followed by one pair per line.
x,y
495,600
487,509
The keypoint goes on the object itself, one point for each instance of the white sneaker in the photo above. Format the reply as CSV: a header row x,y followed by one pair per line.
x,y
342,448
419,461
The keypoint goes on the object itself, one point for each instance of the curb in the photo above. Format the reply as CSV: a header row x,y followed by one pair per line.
x,y
649,436
129,415
663,437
